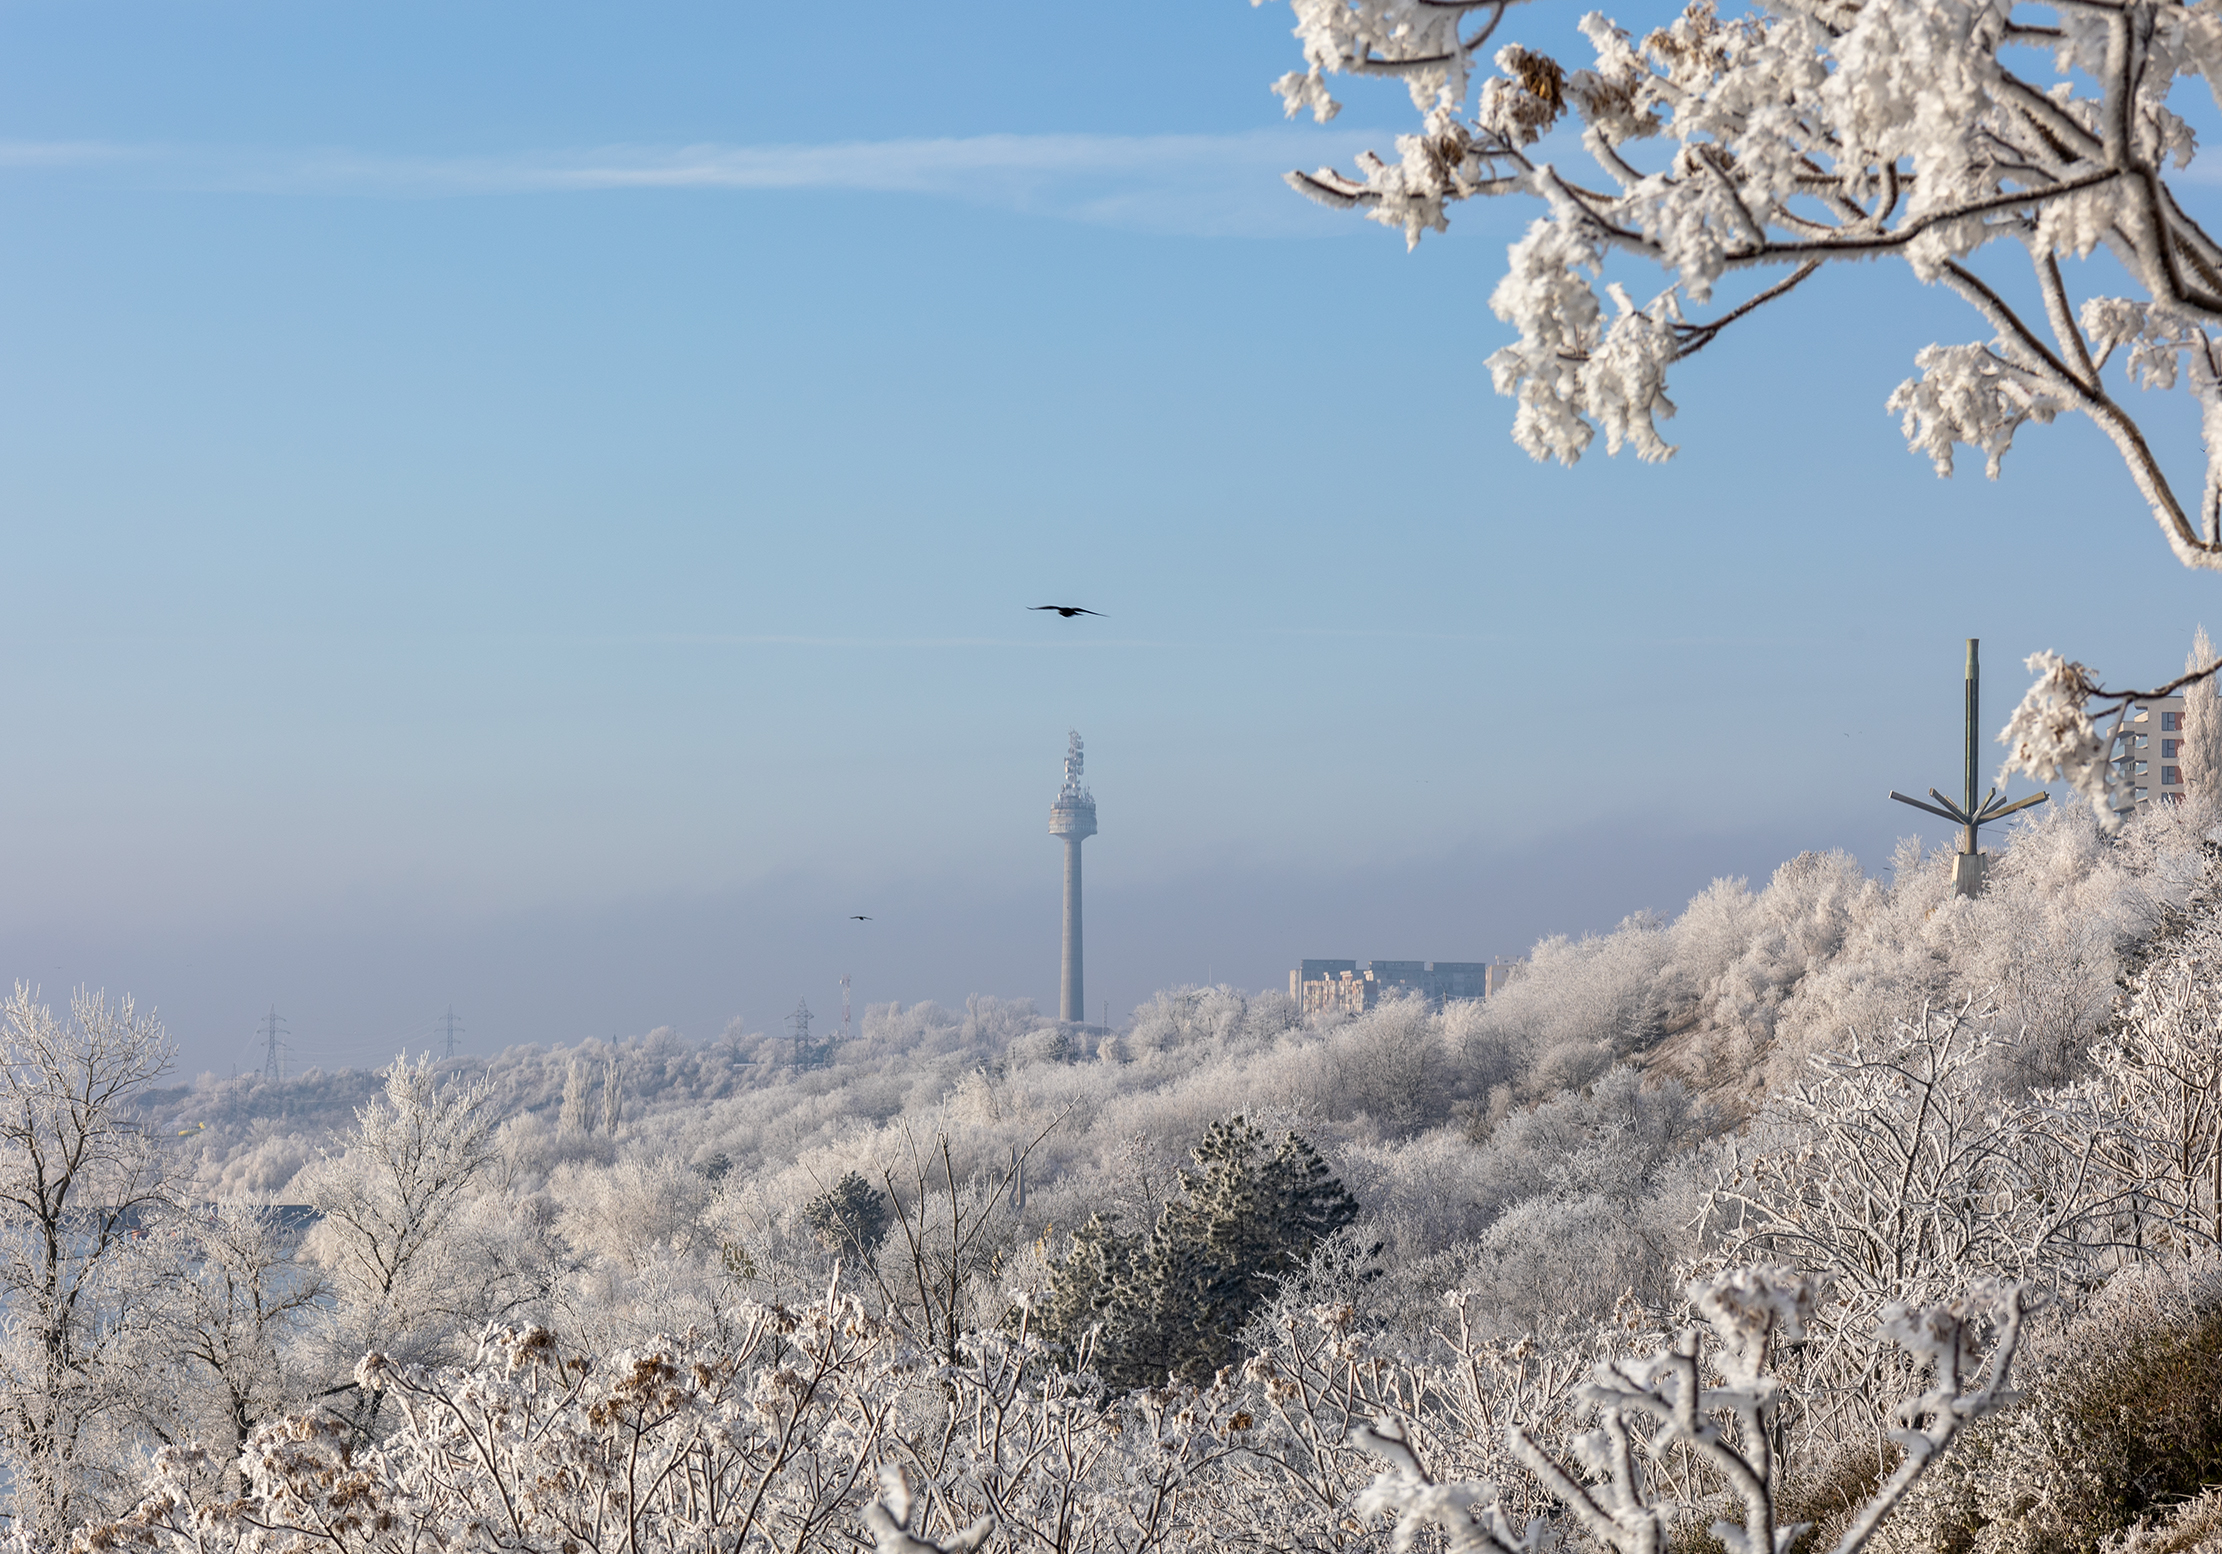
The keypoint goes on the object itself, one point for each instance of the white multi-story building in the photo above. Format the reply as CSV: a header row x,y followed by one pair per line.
x,y
2151,751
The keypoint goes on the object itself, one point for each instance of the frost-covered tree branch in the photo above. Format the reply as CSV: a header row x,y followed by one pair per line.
x,y
1941,132
2056,731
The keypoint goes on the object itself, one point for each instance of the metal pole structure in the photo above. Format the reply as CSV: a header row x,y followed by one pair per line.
x,y
1974,716
273,1034
1970,814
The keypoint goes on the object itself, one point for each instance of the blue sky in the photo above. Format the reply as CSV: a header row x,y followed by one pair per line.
x,y
531,507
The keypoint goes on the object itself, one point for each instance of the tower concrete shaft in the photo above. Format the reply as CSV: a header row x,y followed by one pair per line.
x,y
1073,819
1072,998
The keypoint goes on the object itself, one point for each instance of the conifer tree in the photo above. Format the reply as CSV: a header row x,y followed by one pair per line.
x,y
1081,1287
850,1216
1250,1213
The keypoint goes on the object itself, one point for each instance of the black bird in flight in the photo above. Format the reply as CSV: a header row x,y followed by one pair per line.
x,y
858,917
1068,611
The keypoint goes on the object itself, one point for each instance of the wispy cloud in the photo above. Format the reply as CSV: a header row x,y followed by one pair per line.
x,y
66,153
1380,633
1187,183
1028,644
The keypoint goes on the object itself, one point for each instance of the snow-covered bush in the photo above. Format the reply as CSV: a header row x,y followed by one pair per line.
x,y
671,1447
1897,1174
2121,1421
1585,1197
775,1438
2152,1103
1709,1398
631,1210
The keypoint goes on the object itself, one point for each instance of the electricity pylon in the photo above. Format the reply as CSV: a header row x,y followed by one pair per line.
x,y
272,1032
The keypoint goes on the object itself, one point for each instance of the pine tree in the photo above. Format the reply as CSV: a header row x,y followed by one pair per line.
x,y
1249,1214
1081,1287
850,1216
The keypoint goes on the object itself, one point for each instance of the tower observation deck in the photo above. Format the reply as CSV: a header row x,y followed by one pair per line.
x,y
1073,819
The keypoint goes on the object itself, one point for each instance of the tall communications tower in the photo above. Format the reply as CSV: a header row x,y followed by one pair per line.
x,y
1073,818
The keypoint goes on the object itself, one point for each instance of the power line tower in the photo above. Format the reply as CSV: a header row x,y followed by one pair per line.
x,y
844,1006
273,1033
807,1053
450,1027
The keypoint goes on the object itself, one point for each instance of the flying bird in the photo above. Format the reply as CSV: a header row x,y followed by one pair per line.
x,y
1068,611
858,917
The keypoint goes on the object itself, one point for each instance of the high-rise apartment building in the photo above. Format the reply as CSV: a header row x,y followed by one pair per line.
x,y
2151,750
